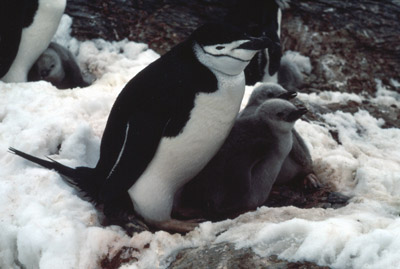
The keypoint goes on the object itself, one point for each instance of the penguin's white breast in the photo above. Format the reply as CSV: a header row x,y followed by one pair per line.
x,y
35,38
180,158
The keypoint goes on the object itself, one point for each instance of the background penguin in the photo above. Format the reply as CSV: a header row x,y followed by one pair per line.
x,y
289,75
260,18
26,28
240,176
58,66
155,138
298,165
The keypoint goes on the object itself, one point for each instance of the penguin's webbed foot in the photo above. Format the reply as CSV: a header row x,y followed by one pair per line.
x,y
311,181
135,225
178,226
129,222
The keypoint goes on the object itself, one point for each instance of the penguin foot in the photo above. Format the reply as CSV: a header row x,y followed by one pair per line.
x,y
135,225
178,226
129,222
311,181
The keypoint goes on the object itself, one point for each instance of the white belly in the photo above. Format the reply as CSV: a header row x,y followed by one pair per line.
x,y
179,159
35,39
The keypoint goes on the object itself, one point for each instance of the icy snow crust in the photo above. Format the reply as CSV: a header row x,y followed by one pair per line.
x,y
43,223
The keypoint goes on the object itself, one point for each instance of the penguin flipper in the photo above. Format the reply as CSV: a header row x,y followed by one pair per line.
x,y
140,144
300,153
11,24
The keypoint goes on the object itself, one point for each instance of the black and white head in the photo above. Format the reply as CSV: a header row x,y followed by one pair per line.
x,y
269,90
49,66
225,48
279,114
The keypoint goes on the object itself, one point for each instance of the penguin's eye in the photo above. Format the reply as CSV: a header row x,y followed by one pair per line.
x,y
219,47
279,114
270,95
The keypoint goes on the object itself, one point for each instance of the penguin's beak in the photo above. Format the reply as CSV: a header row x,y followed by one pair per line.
x,y
257,43
295,115
288,95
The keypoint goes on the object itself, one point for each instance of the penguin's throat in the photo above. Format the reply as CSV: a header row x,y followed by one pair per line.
x,y
223,64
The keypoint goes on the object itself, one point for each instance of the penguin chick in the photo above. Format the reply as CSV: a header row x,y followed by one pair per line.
x,y
240,176
298,165
289,75
262,92
58,66
165,126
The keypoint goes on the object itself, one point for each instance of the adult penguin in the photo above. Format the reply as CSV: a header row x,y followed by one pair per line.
x,y
26,28
166,124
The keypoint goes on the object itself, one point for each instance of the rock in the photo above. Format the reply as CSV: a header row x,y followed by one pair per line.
x,y
224,255
354,42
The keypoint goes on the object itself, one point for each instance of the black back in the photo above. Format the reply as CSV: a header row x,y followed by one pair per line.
x,y
14,16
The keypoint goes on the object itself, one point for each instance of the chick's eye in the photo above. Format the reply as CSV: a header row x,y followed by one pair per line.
x,y
279,114
219,47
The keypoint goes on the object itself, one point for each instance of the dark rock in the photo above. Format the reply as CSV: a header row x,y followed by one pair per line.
x,y
224,255
124,256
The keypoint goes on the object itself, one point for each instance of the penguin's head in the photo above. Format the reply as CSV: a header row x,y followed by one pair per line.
x,y
279,114
49,66
268,90
225,48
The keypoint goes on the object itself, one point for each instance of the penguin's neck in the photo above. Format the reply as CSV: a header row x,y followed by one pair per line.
x,y
222,65
268,169
284,142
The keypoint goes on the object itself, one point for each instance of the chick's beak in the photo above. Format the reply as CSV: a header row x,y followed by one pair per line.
x,y
288,95
295,115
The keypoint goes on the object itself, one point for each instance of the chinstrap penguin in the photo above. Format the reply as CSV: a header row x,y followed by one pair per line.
x,y
166,124
240,176
26,28
298,166
58,66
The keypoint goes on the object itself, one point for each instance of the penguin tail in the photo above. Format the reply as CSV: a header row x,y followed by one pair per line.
x,y
81,178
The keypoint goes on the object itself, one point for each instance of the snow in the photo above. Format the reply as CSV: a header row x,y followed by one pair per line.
x,y
44,224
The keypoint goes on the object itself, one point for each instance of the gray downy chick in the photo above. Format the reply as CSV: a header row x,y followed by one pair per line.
x,y
289,75
58,66
240,176
298,165
262,92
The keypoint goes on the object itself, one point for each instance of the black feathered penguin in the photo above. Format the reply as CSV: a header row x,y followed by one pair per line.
x,y
166,124
26,28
